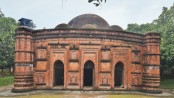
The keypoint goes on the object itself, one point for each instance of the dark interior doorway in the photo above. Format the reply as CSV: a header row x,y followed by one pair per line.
x,y
58,73
118,73
88,73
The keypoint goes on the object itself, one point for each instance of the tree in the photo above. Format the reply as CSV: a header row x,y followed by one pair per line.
x,y
140,28
165,25
1,14
96,2
7,42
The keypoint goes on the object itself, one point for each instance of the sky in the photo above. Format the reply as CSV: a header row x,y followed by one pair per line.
x,y
49,13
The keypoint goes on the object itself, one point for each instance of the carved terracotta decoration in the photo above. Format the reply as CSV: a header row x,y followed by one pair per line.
x,y
86,53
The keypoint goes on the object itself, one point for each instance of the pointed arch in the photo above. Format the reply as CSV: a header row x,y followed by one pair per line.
x,y
58,73
88,73
118,74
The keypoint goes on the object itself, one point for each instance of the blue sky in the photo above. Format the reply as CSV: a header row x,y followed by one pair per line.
x,y
49,13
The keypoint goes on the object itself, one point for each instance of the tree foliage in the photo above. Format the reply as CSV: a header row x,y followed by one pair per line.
x,y
165,25
96,2
1,14
140,28
7,31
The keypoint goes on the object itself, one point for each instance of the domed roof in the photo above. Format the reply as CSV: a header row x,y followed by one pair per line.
x,y
89,26
115,27
90,19
62,25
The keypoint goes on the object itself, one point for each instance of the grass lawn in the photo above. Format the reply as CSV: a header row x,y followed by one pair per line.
x,y
7,80
83,96
167,83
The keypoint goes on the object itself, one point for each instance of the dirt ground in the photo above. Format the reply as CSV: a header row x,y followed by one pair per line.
x,y
5,91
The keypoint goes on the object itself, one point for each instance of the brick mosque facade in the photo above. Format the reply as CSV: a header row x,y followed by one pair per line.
x,y
86,54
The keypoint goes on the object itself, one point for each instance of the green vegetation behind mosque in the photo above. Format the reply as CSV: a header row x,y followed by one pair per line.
x,y
7,31
167,83
7,80
165,25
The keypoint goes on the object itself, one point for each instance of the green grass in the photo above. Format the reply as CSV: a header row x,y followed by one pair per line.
x,y
5,72
83,96
7,80
167,83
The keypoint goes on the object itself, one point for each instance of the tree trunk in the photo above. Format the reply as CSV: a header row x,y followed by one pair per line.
x,y
9,69
2,69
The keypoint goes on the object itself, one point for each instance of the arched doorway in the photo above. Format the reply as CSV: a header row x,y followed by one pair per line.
x,y
88,73
58,73
118,74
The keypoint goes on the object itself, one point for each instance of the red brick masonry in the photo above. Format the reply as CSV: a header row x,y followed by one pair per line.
x,y
109,60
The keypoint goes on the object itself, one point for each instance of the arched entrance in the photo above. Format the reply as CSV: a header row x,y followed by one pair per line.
x,y
118,74
58,73
88,73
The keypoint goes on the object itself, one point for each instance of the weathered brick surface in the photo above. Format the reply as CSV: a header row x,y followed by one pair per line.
x,y
37,51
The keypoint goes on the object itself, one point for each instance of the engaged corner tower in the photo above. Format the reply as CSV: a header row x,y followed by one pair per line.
x,y
151,74
86,54
23,74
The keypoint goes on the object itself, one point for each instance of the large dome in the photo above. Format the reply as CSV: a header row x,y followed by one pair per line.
x,y
88,19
